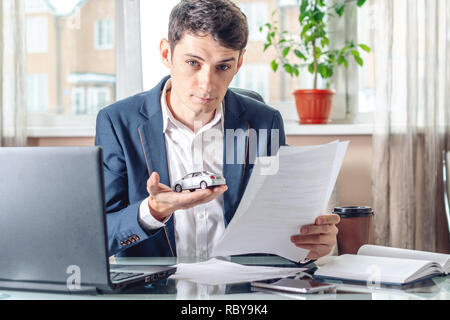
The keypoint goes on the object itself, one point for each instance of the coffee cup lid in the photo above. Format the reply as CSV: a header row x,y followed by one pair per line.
x,y
353,211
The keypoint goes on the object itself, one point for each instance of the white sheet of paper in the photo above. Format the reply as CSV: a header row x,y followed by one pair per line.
x,y
275,206
216,272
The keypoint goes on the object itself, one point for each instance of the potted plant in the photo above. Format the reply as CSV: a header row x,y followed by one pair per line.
x,y
311,50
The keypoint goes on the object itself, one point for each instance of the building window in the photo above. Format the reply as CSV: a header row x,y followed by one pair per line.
x,y
98,97
37,92
37,34
103,34
78,101
256,13
35,6
253,77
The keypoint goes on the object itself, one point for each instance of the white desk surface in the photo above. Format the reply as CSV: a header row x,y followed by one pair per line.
x,y
437,288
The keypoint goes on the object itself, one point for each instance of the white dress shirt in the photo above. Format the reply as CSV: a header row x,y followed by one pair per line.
x,y
197,229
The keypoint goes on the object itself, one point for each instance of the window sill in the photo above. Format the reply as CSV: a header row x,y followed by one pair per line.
x,y
61,132
293,128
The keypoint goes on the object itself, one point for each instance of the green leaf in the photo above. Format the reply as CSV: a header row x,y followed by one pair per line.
x,y
266,45
355,53
311,68
296,72
360,3
286,51
318,52
342,60
274,65
318,16
299,54
359,60
325,42
340,8
305,29
288,68
321,69
364,47
303,6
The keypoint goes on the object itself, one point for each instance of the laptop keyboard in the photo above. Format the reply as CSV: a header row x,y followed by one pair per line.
x,y
119,276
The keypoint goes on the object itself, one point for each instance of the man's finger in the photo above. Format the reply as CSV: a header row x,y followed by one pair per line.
x,y
317,229
328,219
315,239
192,199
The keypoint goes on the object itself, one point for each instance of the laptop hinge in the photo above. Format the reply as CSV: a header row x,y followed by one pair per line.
x,y
46,287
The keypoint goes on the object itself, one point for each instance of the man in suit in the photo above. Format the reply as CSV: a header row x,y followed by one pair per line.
x,y
190,122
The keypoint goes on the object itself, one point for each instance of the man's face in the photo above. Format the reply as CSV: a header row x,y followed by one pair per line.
x,y
201,71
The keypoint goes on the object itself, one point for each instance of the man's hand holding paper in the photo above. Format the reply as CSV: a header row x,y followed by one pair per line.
x,y
319,237
277,205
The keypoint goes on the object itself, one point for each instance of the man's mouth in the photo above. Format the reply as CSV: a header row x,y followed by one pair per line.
x,y
204,100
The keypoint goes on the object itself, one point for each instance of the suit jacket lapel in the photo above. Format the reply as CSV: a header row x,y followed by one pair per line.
x,y
154,144
235,149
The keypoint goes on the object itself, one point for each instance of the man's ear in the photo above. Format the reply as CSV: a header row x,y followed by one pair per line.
x,y
165,52
241,60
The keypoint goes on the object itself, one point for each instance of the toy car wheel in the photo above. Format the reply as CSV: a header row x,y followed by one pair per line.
x,y
203,185
178,188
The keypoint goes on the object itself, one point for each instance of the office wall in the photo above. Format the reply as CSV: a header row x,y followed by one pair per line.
x,y
354,180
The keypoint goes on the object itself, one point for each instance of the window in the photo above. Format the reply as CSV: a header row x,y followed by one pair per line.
x,y
78,101
37,34
70,78
37,93
253,77
103,34
35,6
98,97
256,13
366,75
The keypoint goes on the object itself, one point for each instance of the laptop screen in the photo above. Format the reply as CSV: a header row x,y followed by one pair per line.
x,y
52,220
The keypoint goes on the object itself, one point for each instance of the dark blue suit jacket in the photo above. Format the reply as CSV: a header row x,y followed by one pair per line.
x,y
131,135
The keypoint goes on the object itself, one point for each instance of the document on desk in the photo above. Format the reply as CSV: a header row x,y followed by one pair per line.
x,y
277,203
216,272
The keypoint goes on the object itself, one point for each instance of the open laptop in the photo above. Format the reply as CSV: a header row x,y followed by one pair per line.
x,y
53,224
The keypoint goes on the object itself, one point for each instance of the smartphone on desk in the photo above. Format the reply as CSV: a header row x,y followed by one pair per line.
x,y
294,285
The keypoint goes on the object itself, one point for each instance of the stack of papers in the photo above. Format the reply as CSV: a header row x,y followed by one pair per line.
x,y
277,203
216,272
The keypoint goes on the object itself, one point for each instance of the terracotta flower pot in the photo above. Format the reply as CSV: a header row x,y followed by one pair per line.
x,y
314,106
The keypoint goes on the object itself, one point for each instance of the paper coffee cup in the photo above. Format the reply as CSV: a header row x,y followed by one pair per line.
x,y
355,228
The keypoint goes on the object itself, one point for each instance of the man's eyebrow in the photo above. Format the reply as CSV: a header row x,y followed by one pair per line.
x,y
201,59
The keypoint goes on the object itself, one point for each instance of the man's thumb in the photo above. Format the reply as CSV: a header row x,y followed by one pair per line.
x,y
154,182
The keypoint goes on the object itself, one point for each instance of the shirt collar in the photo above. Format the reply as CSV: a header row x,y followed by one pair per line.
x,y
169,119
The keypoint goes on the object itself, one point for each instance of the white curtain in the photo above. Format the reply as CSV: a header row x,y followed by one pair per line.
x,y
411,47
13,127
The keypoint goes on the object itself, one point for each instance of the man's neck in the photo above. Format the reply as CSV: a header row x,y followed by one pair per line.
x,y
190,119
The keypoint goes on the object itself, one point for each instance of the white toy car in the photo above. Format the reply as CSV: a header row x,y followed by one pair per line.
x,y
198,180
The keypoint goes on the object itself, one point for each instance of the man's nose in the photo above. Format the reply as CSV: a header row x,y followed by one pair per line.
x,y
205,81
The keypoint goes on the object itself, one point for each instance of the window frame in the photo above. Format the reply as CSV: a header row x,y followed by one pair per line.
x,y
99,34
129,80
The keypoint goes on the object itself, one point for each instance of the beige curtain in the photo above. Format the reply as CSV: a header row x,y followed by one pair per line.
x,y
411,47
13,127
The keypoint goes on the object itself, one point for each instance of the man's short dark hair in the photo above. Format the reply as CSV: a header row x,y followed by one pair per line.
x,y
221,19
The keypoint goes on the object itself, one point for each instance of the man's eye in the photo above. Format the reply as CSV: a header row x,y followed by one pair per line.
x,y
192,63
224,67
